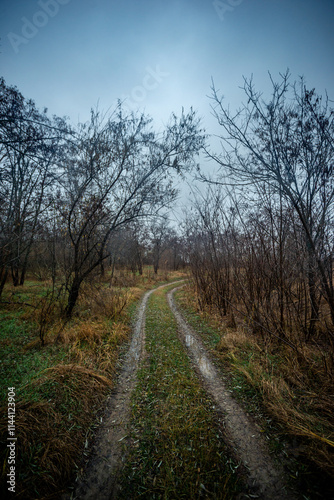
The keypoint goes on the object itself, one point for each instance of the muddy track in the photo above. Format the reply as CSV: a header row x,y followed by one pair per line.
x,y
99,481
100,476
265,478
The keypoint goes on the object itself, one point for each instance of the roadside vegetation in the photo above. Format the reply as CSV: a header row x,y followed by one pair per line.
x,y
61,384
177,446
260,253
289,396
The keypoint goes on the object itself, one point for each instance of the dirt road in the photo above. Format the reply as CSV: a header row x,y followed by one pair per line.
x,y
100,477
265,479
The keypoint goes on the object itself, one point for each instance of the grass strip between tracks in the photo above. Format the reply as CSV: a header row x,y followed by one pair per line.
x,y
178,449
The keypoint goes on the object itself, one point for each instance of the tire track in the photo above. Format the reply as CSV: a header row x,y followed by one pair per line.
x,y
265,478
100,476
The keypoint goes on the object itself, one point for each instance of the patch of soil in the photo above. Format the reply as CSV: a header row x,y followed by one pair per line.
x,y
264,477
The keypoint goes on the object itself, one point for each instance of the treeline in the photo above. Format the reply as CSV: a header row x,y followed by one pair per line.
x,y
261,239
73,198
76,200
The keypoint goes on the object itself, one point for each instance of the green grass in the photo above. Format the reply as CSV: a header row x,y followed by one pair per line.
x,y
178,448
57,407
19,364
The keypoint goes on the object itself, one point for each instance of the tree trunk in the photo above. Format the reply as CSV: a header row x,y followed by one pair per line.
x,y
3,274
25,262
140,266
113,262
72,297
15,274
23,274
314,302
102,269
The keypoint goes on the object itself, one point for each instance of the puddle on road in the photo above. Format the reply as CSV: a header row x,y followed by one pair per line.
x,y
189,340
205,367
201,360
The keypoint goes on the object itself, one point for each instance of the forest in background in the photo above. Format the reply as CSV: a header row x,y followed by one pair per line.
x,y
73,198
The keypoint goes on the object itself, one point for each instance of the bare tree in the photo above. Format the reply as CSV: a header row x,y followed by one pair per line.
x,y
118,172
29,144
287,144
247,260
175,250
159,237
131,254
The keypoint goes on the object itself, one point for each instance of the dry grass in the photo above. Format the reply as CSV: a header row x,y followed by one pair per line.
x,y
234,340
95,344
52,425
125,278
295,399
296,388
96,301
57,409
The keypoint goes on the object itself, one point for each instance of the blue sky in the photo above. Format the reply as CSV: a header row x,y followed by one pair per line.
x,y
89,51
160,55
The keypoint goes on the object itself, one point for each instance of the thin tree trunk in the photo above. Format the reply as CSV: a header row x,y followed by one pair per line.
x,y
25,262
15,274
3,274
72,297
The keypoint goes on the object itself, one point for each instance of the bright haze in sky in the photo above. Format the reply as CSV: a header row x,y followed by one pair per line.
x,y
160,55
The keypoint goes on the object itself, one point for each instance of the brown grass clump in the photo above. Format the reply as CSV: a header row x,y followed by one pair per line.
x,y
65,371
136,293
89,333
291,389
51,427
234,340
96,301
47,453
94,344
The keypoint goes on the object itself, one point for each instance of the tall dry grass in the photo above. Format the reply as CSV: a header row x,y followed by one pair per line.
x,y
58,408
51,425
296,387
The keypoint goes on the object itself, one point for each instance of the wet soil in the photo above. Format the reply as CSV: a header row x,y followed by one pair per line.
x,y
264,477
